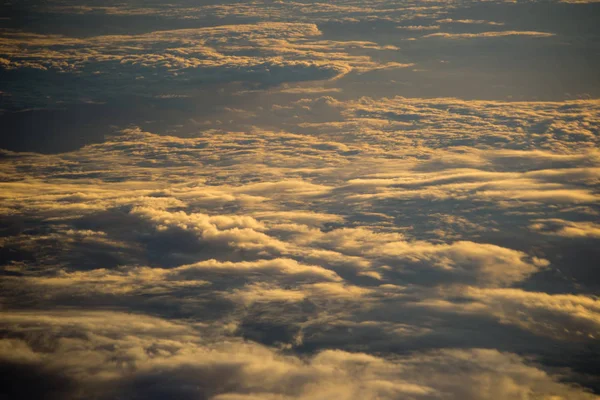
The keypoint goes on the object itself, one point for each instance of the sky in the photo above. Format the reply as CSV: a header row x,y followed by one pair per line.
x,y
294,200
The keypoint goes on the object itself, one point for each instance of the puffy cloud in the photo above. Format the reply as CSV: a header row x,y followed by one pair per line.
x,y
563,316
568,229
462,261
143,281
270,53
128,353
301,241
238,232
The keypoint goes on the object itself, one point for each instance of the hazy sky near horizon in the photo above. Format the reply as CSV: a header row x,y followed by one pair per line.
x,y
288,200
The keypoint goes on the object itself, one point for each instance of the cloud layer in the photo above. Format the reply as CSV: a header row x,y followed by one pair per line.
x,y
284,200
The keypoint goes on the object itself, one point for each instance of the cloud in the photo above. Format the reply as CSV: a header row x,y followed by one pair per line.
x,y
151,63
468,21
492,34
563,316
130,354
567,229
321,244
419,27
337,12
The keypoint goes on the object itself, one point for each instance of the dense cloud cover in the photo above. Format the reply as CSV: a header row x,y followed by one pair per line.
x,y
299,200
